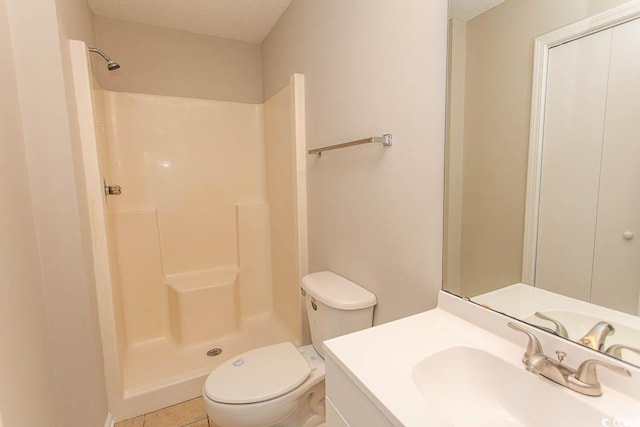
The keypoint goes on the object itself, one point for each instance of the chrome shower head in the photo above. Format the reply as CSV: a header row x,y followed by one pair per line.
x,y
111,64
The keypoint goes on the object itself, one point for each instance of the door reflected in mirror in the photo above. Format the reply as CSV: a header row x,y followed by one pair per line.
x,y
543,142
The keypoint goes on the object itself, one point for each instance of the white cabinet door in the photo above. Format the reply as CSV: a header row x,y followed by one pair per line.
x,y
574,125
616,268
334,418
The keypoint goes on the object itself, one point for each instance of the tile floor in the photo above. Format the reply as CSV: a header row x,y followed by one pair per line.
x,y
186,414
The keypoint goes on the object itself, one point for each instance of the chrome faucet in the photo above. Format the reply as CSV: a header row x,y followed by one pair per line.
x,y
595,337
536,362
582,380
616,350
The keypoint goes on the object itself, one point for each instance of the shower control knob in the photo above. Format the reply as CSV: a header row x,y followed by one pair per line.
x,y
112,190
627,235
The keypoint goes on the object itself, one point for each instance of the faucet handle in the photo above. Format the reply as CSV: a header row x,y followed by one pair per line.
x,y
586,379
616,350
560,330
533,346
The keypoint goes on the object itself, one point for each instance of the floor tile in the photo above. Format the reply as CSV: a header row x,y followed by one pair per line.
x,y
180,415
133,422
212,424
201,423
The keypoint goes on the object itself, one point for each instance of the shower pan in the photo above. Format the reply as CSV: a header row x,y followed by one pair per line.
x,y
200,255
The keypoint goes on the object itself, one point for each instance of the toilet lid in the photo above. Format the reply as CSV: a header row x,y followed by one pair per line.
x,y
258,375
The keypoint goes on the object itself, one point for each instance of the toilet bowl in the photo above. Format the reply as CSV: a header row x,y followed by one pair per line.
x,y
274,385
281,385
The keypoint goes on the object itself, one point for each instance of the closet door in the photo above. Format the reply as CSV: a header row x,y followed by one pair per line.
x,y
572,148
616,269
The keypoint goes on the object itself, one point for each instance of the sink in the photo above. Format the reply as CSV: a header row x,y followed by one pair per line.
x,y
440,369
470,387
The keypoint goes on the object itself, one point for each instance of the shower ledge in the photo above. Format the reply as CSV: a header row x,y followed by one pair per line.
x,y
203,304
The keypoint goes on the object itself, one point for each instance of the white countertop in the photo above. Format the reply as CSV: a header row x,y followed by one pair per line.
x,y
380,361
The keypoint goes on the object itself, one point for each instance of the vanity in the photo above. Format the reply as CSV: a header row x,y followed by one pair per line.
x,y
538,323
460,365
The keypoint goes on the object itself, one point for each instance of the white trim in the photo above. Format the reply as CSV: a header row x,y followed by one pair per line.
x,y
608,19
110,422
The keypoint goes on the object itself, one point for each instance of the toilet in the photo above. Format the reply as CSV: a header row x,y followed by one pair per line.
x,y
281,385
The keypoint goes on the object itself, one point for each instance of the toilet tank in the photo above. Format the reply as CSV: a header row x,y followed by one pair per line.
x,y
335,306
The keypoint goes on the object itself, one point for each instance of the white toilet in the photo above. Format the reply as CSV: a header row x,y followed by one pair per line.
x,y
281,385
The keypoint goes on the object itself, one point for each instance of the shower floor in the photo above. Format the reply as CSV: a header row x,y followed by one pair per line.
x,y
162,364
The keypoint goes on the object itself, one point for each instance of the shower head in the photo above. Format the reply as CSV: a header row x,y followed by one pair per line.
x,y
111,64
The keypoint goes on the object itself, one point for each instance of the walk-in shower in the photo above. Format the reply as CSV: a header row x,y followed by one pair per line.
x,y
206,247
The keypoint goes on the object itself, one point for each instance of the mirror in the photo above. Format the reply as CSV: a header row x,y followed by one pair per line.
x,y
543,142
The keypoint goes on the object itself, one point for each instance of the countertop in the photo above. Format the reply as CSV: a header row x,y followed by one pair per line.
x,y
380,361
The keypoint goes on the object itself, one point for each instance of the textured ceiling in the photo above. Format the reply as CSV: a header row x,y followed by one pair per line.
x,y
466,10
247,20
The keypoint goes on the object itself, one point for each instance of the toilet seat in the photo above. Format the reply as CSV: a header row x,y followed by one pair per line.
x,y
258,375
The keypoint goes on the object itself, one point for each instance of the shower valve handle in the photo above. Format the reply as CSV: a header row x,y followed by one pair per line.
x,y
112,190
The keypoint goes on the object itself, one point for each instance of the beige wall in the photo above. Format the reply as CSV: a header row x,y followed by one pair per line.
x,y
375,213
497,109
161,61
25,367
76,20
42,71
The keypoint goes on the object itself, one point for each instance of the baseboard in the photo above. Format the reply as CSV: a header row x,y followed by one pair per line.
x,y
110,422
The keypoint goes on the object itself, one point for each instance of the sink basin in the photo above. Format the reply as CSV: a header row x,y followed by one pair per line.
x,y
470,387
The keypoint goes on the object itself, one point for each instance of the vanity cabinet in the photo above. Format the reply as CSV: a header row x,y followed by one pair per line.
x,y
346,404
589,218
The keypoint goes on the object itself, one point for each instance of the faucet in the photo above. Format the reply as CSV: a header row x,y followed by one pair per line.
x,y
616,350
536,362
559,329
582,380
595,337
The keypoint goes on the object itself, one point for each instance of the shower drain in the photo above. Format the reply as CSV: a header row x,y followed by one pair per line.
x,y
214,352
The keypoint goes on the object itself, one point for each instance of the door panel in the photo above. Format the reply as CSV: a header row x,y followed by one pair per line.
x,y
616,269
574,124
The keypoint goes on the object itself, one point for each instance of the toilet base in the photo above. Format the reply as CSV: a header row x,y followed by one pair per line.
x,y
306,411
311,412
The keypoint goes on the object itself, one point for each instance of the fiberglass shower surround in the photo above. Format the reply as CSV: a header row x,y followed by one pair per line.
x,y
206,244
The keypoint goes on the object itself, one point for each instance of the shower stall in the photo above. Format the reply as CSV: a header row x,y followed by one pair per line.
x,y
198,223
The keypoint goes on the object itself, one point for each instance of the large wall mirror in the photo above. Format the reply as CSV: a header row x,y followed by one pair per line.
x,y
542,204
